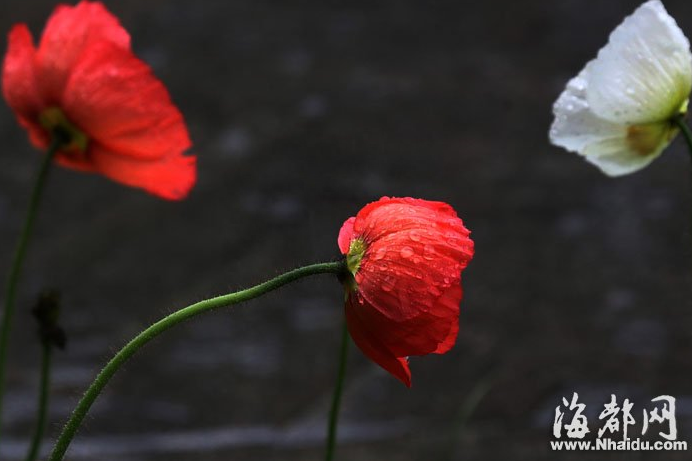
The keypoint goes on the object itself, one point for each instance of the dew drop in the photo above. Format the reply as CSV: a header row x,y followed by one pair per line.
x,y
379,254
415,236
453,241
388,283
406,252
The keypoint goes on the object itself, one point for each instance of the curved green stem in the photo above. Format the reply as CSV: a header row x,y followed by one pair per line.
x,y
164,324
336,399
679,121
20,252
42,403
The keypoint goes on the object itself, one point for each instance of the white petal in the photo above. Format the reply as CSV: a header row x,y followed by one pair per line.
x,y
602,142
614,156
576,126
644,73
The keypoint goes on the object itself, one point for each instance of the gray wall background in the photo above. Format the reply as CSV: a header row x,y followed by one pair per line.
x,y
301,112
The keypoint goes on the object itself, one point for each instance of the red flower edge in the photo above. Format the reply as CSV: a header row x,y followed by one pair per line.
x,y
405,257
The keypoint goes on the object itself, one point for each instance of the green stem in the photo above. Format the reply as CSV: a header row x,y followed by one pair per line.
x,y
468,407
42,403
687,134
20,252
679,121
166,323
336,399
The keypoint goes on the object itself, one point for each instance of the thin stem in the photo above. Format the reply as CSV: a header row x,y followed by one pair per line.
x,y
679,121
166,323
336,399
42,403
687,134
468,407
17,262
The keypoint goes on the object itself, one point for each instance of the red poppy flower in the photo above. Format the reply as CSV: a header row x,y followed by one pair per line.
x,y
84,83
405,256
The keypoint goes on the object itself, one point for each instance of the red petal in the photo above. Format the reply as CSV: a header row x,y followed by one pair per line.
x,y
19,82
388,215
451,299
414,255
68,32
170,177
373,348
346,235
409,280
78,162
429,332
115,99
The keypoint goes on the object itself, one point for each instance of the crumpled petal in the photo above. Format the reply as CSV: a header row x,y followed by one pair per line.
x,y
405,300
415,251
369,343
644,73
432,331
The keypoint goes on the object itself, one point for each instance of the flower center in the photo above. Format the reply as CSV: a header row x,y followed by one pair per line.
x,y
60,128
646,139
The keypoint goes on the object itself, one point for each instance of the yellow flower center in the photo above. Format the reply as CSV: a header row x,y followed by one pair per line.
x,y
645,139
72,138
648,138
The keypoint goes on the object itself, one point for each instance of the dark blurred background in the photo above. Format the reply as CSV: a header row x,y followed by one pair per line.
x,y
301,112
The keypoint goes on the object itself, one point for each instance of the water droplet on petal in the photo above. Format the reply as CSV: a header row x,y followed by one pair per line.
x,y
379,254
388,283
406,252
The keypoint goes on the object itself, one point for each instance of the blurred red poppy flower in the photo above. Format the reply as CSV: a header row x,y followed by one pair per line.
x,y
84,84
405,258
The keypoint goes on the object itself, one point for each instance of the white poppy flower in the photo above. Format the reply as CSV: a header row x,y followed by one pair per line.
x,y
619,111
